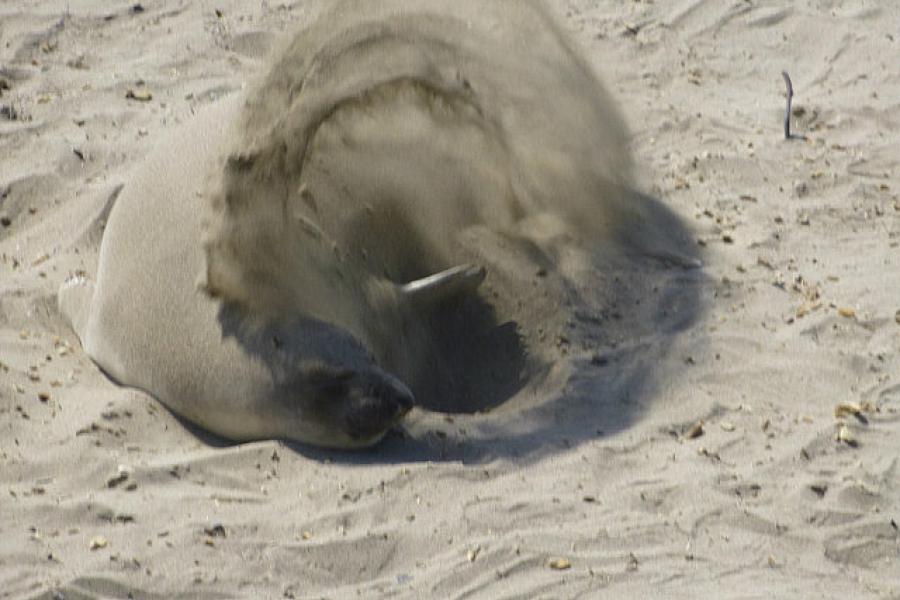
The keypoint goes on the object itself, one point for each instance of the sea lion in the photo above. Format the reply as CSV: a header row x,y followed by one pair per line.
x,y
268,271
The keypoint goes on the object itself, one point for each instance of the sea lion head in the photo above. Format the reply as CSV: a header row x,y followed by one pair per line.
x,y
323,386
351,408
330,384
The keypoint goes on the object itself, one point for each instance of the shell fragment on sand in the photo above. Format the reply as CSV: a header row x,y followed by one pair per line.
x,y
139,94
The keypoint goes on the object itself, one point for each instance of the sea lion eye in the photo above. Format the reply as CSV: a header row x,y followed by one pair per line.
x,y
332,381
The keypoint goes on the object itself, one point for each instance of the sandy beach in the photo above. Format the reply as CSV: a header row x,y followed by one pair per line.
x,y
730,431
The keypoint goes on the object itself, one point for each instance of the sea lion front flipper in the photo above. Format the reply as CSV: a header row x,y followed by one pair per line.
x,y
456,281
74,302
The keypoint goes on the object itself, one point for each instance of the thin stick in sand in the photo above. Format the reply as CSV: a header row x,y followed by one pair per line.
x,y
787,110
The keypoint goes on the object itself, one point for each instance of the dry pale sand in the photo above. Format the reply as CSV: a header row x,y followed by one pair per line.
x,y
694,450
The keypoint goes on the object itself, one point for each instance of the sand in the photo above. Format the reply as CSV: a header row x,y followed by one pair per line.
x,y
729,431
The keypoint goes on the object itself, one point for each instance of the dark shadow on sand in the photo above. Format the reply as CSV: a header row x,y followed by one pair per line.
x,y
643,292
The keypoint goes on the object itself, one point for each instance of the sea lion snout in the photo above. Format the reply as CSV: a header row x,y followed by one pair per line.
x,y
376,405
358,404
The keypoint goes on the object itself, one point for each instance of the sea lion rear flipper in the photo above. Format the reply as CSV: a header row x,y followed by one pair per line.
x,y
74,301
456,281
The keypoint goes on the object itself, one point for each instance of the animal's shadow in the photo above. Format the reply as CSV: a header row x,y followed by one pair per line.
x,y
495,391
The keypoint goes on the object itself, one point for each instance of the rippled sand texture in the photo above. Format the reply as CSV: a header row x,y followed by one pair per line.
x,y
601,479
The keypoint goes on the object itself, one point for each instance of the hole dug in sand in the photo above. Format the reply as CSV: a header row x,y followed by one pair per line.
x,y
474,363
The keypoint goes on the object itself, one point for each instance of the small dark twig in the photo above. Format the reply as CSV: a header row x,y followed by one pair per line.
x,y
787,110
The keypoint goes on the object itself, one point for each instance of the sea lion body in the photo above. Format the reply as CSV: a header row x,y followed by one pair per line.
x,y
149,326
